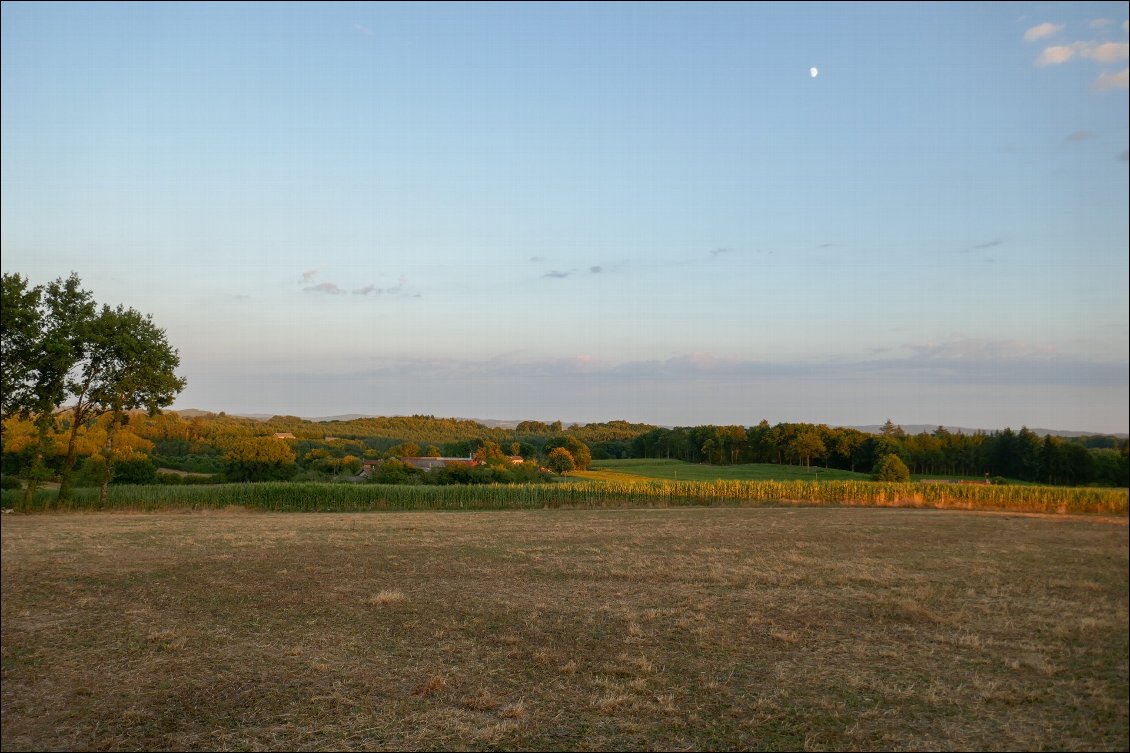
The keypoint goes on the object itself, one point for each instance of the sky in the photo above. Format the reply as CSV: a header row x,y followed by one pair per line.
x,y
673,213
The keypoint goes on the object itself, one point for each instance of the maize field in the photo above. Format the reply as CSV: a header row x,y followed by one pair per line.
x,y
331,497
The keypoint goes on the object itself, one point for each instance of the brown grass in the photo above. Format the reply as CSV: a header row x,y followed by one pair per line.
x,y
818,629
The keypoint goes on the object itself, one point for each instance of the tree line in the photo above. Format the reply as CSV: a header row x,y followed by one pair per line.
x,y
1022,455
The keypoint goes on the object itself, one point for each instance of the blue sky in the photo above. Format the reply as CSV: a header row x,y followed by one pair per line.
x,y
592,211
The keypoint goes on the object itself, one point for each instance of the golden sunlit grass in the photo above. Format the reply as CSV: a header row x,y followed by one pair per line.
x,y
777,628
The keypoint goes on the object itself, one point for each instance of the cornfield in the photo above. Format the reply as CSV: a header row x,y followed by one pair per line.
x,y
329,497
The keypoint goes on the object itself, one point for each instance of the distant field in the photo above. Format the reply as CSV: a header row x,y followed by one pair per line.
x,y
678,469
676,629
611,470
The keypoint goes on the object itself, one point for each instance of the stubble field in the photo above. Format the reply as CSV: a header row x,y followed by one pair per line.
x,y
773,628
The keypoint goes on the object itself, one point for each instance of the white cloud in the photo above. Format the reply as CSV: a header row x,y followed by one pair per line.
x,y
1099,23
1108,52
1107,81
1056,55
1043,31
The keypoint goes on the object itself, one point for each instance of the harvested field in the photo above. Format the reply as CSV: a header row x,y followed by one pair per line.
x,y
773,628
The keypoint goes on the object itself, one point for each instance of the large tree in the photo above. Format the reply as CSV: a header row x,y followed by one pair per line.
x,y
577,449
127,365
561,460
807,445
65,313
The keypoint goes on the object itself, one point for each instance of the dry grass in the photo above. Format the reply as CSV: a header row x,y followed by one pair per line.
x,y
847,629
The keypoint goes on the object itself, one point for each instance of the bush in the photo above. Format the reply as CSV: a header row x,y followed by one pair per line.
x,y
10,482
891,468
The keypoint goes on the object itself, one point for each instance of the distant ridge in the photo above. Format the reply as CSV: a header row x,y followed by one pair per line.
x,y
496,423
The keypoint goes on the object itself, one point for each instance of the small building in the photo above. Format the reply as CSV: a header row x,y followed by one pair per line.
x,y
284,435
424,464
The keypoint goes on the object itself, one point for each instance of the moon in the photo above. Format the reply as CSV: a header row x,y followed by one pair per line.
x,y
813,72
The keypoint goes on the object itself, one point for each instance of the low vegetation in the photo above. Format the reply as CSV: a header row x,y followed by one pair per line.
x,y
342,497
750,629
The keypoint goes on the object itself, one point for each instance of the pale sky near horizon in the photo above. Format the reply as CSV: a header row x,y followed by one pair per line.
x,y
586,212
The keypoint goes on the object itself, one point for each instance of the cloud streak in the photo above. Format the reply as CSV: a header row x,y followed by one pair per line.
x,y
328,288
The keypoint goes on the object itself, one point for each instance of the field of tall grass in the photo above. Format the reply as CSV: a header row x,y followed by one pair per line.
x,y
330,497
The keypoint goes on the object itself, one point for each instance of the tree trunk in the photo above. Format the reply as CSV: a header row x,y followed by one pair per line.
x,y
78,417
38,466
107,458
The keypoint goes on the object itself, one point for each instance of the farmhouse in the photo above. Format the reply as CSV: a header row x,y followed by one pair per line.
x,y
284,435
424,464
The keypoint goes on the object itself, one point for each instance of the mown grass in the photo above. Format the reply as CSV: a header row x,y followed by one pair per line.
x,y
330,497
752,629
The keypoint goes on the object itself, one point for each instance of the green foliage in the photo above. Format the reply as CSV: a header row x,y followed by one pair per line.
x,y
561,460
10,482
891,468
578,450
21,322
260,459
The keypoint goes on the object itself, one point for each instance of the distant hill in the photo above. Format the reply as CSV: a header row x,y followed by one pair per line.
x,y
496,423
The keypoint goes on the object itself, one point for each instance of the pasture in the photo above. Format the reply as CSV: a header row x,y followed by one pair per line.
x,y
669,629
672,470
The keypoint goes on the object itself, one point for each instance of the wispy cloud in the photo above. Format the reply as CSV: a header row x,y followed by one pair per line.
x,y
324,287
716,252
989,244
557,274
1043,31
596,269
399,289
1079,136
1107,81
537,259
363,29
309,275
1099,23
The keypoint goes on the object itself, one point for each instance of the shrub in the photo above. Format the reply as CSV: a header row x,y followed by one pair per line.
x,y
10,482
891,468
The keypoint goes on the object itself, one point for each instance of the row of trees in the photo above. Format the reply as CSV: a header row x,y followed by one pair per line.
x,y
70,368
1022,455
